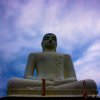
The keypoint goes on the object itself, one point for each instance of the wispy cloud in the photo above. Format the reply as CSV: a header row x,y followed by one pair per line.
x,y
87,66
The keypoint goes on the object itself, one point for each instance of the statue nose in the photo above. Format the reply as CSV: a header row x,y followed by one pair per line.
x,y
50,41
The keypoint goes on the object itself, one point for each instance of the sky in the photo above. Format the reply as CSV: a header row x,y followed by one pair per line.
x,y
23,24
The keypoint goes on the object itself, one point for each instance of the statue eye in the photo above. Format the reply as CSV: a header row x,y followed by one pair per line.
x,y
53,38
47,38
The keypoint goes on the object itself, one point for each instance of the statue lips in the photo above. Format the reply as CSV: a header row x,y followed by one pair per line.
x,y
51,44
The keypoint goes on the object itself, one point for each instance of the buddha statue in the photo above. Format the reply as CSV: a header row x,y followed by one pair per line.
x,y
56,68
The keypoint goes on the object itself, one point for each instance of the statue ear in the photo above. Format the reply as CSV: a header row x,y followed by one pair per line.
x,y
42,44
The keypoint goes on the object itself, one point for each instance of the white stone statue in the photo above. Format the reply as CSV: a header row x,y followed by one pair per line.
x,y
56,68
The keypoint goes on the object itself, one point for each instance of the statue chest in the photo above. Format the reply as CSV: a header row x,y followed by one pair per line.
x,y
50,65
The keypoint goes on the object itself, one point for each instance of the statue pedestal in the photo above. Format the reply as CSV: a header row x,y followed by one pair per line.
x,y
50,93
50,98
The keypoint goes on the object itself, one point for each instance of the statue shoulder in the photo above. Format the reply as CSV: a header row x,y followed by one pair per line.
x,y
31,55
67,55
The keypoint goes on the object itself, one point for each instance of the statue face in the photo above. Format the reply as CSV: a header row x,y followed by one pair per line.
x,y
49,41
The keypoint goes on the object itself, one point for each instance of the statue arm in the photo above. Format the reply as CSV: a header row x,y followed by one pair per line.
x,y
30,66
69,71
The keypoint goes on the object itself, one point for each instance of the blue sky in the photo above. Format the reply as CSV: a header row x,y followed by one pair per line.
x,y
23,23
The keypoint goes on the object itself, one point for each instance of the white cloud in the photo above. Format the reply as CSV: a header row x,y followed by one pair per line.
x,y
88,66
74,26
70,26
10,49
30,14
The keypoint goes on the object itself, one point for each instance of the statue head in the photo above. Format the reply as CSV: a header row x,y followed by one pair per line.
x,y
49,42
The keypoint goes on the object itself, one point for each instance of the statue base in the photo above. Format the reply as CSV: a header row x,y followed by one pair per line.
x,y
31,92
49,98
